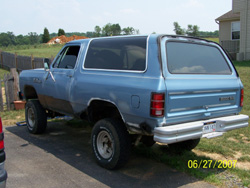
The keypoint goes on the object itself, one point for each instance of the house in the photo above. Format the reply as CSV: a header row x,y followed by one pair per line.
x,y
234,30
229,32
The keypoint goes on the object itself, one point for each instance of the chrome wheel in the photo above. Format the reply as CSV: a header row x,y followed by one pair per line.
x,y
105,145
31,117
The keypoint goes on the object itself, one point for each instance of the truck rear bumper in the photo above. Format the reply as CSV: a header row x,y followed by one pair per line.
x,y
197,129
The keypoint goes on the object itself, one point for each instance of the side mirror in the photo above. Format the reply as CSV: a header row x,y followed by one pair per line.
x,y
46,64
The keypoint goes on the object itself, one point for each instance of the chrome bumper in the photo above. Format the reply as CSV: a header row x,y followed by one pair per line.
x,y
193,130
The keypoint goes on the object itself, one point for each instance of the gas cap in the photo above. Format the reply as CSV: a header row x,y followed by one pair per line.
x,y
135,101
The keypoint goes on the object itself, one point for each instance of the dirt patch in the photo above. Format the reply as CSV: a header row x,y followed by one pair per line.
x,y
3,93
233,140
63,39
4,98
9,122
215,156
245,139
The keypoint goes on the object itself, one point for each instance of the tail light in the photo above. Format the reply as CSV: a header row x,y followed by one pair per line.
x,y
157,104
1,135
241,97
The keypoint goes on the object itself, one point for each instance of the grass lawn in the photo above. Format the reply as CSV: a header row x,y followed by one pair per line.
x,y
234,145
2,73
213,39
41,50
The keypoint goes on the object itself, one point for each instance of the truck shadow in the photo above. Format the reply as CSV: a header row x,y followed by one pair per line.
x,y
72,144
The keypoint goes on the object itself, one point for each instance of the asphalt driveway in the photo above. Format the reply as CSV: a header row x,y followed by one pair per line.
x,y
62,157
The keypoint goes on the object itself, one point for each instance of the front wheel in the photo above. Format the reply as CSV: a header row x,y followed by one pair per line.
x,y
35,116
110,143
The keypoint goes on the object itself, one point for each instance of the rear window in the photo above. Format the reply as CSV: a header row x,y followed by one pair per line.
x,y
191,58
128,53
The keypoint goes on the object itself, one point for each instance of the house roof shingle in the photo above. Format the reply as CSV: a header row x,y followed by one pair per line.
x,y
230,15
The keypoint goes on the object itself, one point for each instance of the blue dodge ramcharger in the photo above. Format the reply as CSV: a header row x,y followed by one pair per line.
x,y
157,88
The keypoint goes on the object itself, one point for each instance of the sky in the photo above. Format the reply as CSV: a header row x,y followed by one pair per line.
x,y
24,16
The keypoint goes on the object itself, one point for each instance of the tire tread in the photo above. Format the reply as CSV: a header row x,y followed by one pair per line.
x,y
123,138
40,115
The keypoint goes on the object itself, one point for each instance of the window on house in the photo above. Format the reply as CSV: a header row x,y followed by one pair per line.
x,y
235,30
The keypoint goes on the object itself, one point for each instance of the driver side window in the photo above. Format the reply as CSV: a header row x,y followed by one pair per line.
x,y
67,58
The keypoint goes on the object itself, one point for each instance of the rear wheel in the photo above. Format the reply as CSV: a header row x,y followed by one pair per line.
x,y
35,116
110,143
187,145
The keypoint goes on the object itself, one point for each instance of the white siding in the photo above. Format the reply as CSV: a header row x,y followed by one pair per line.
x,y
238,5
225,31
243,6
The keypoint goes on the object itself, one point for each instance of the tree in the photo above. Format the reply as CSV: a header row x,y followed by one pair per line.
x,y
61,32
12,37
98,31
7,39
106,30
192,30
90,34
116,29
111,29
189,30
22,40
128,31
33,37
137,31
4,39
178,30
195,30
45,37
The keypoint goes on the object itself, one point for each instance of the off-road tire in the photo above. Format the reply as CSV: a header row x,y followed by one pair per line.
x,y
187,145
111,143
35,116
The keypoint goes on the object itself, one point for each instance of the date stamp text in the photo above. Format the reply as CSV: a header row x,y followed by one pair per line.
x,y
212,163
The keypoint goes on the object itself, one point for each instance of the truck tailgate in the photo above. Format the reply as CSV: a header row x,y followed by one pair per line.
x,y
201,82
192,99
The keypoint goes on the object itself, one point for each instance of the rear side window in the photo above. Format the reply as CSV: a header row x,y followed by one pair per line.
x,y
128,53
192,58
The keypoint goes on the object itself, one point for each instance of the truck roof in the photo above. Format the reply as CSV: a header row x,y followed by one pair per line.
x,y
152,37
108,37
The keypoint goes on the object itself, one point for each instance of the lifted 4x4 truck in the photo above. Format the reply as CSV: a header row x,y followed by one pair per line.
x,y
157,88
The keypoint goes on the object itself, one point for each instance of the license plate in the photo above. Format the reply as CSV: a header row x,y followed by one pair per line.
x,y
209,127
